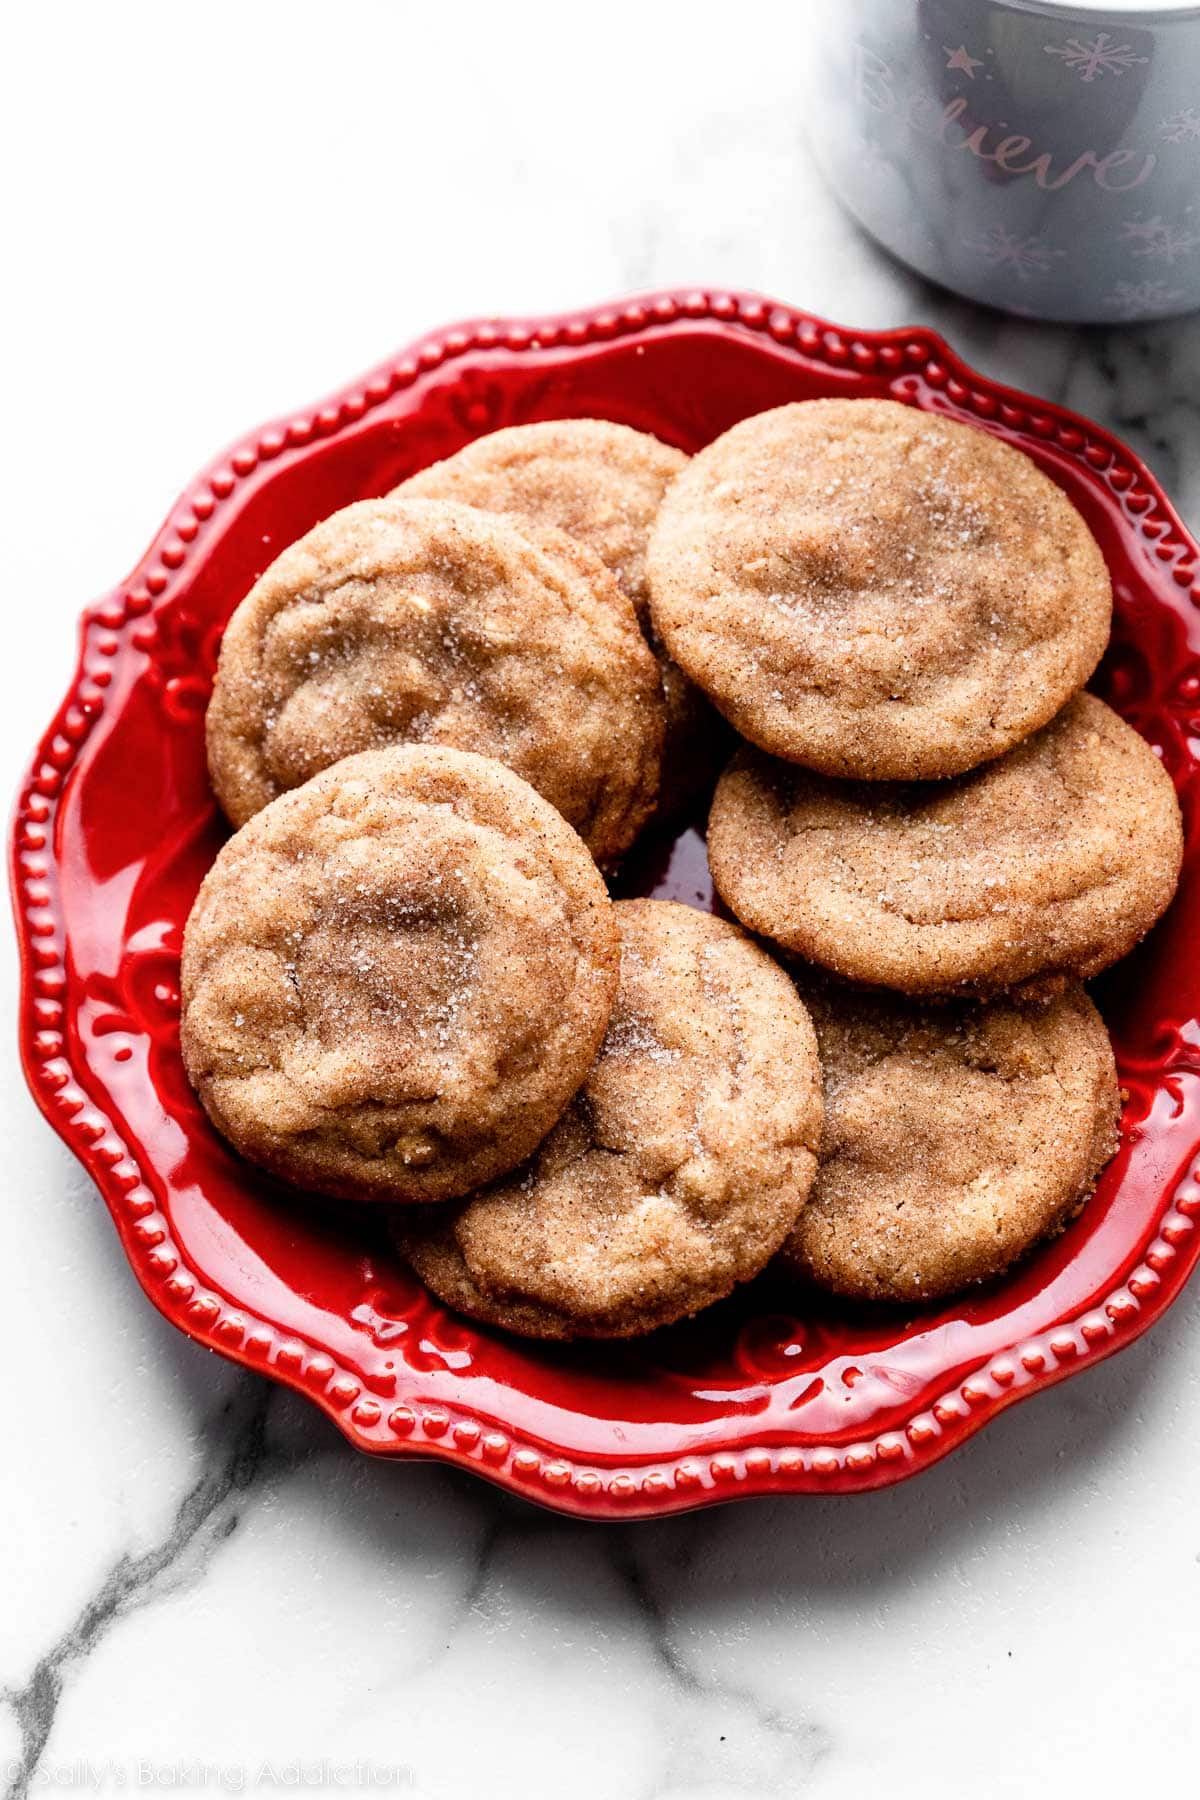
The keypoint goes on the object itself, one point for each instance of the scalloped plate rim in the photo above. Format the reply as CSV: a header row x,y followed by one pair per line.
x,y
754,312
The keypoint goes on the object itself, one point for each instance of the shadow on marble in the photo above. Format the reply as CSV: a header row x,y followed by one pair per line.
x,y
1042,1454
1030,1460
1043,1447
1141,382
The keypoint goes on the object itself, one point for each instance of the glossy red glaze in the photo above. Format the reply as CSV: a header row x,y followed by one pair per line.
x,y
770,1392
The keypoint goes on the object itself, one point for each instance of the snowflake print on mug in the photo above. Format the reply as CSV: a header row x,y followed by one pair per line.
x,y
1136,299
1154,237
1093,57
962,60
1003,249
1182,127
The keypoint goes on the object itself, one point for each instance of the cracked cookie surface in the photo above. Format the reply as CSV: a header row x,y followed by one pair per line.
x,y
874,591
677,1170
954,1138
420,621
603,483
1053,861
396,976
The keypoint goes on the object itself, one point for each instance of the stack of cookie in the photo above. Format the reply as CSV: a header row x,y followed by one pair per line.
x,y
436,717
898,613
439,715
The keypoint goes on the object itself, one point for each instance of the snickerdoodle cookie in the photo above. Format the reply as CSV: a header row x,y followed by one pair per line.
x,y
1051,862
602,483
396,976
679,1167
874,591
954,1138
402,621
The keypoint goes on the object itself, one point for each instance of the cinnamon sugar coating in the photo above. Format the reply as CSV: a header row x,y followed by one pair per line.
x,y
419,621
602,483
874,591
954,1138
396,976
679,1167
1051,862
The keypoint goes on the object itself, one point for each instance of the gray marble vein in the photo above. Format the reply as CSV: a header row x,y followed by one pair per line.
x,y
763,1749
237,1458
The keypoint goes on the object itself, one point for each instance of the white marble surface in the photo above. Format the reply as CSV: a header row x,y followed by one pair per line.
x,y
213,216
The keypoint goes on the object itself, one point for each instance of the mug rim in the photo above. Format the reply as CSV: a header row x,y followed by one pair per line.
x,y
1164,12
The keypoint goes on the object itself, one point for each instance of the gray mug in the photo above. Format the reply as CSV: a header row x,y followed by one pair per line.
x,y
1037,157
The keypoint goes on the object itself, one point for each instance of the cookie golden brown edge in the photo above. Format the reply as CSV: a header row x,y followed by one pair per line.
x,y
421,621
600,482
396,976
874,591
603,483
1048,864
954,1139
678,1169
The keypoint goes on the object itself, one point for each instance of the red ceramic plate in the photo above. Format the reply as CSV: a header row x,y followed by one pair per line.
x,y
767,1393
